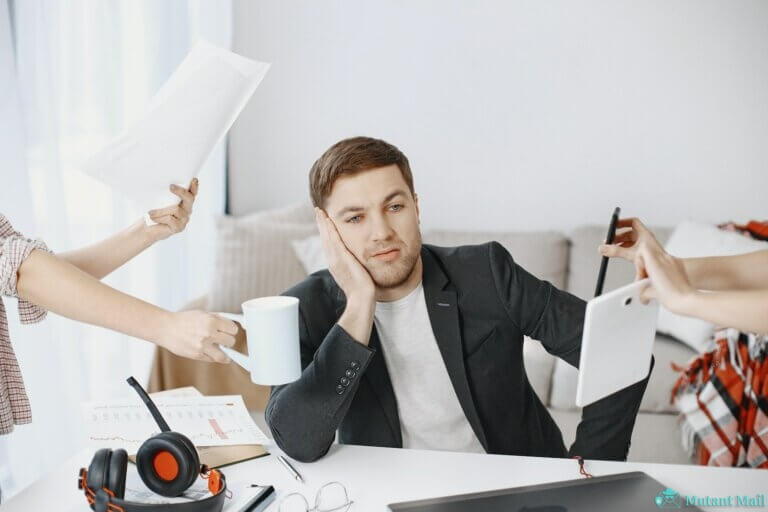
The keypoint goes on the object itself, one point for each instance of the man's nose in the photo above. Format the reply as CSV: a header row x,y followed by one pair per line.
x,y
381,228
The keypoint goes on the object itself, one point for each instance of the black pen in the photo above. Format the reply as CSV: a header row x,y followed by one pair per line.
x,y
261,500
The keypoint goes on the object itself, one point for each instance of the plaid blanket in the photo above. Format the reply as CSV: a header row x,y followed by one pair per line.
x,y
723,400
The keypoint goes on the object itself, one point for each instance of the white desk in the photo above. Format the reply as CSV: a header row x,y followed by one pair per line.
x,y
378,476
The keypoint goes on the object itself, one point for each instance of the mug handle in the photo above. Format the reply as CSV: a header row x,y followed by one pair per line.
x,y
239,358
237,317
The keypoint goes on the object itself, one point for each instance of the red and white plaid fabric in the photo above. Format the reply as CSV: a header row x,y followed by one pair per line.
x,y
723,399
14,249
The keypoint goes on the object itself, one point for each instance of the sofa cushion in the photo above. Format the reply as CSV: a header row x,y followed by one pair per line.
x,y
585,262
298,213
542,253
254,258
666,351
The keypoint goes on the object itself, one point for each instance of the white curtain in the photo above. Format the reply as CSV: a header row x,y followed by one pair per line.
x,y
83,70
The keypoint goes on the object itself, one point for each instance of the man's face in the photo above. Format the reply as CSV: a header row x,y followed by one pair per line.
x,y
378,220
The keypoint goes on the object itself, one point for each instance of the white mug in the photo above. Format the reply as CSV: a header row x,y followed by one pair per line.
x,y
272,330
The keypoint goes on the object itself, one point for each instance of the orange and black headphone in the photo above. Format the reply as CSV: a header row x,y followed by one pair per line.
x,y
167,463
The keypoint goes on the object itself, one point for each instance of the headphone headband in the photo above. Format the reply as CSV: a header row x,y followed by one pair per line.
x,y
104,500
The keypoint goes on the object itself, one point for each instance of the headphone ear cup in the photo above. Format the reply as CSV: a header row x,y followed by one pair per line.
x,y
166,465
118,464
194,457
98,469
192,470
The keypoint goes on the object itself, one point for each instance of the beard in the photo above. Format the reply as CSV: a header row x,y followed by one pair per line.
x,y
387,275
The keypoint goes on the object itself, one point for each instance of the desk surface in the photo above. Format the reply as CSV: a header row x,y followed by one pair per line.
x,y
378,476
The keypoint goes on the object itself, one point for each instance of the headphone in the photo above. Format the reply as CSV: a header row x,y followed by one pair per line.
x,y
167,463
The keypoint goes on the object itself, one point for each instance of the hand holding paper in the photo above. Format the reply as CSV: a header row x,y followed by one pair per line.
x,y
173,219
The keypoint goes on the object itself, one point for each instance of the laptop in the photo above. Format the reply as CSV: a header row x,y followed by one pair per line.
x,y
627,492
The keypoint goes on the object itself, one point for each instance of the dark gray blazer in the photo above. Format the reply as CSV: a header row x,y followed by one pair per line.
x,y
480,304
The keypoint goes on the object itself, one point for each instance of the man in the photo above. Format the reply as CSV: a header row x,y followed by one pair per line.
x,y
416,346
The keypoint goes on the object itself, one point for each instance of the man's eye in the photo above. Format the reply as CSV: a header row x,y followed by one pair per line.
x,y
396,207
355,219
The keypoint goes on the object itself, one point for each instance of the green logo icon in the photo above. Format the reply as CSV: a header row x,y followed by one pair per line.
x,y
668,498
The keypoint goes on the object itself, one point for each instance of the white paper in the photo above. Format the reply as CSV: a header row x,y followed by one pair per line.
x,y
177,392
185,120
205,420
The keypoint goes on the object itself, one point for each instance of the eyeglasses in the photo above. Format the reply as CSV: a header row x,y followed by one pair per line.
x,y
331,497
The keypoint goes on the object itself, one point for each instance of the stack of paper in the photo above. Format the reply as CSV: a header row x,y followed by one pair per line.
x,y
219,426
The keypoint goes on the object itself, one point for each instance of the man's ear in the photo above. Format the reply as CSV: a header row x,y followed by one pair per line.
x,y
416,202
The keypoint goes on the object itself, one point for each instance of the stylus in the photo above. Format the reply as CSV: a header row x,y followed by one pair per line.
x,y
260,502
604,260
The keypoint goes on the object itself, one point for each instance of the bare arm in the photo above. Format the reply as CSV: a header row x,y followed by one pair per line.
x,y
102,258
79,296
740,272
58,286
746,310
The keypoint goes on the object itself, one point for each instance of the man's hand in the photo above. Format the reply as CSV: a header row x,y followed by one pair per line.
x,y
197,334
352,277
345,268
173,219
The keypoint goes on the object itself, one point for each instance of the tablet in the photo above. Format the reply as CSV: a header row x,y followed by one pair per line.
x,y
617,342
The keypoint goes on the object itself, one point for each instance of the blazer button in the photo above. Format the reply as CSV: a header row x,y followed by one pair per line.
x,y
354,365
344,381
349,373
339,389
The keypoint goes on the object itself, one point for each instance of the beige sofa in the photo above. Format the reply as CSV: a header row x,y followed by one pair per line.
x,y
255,257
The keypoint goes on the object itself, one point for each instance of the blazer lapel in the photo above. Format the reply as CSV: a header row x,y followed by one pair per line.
x,y
444,315
378,377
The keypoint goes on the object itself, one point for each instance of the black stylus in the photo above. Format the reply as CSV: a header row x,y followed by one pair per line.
x,y
604,261
261,501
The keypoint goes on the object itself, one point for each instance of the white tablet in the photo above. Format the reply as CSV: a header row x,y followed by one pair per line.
x,y
617,342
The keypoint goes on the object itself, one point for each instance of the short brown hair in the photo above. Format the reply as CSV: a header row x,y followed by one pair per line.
x,y
351,156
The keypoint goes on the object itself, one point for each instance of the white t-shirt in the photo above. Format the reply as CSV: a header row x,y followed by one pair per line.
x,y
431,417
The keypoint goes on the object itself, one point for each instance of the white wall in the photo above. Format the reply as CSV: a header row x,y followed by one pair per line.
x,y
520,115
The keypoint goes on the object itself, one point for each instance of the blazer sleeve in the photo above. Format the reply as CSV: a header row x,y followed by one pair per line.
x,y
556,318
304,415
